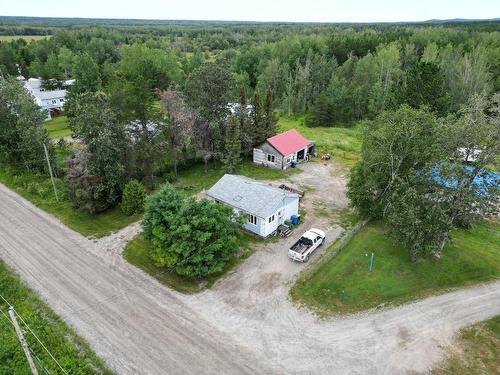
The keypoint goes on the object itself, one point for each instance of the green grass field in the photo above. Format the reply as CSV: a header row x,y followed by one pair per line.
x,y
477,351
194,179
8,38
136,253
72,352
37,189
345,285
342,143
58,127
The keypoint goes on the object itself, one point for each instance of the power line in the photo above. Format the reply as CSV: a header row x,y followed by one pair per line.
x,y
7,302
23,342
9,322
41,364
33,333
41,343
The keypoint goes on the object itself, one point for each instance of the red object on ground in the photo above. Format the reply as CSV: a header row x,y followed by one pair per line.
x,y
288,142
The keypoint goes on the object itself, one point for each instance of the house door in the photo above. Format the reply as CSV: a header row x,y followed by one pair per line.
x,y
281,219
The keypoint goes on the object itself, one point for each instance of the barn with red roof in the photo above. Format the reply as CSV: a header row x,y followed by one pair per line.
x,y
283,150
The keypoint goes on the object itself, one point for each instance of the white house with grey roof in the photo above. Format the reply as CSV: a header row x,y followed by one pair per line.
x,y
48,100
266,206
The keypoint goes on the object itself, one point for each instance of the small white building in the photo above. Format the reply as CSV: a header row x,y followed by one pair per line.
x,y
283,149
266,206
49,100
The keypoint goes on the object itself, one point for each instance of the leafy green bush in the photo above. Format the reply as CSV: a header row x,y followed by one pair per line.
x,y
133,198
170,177
204,238
194,238
160,219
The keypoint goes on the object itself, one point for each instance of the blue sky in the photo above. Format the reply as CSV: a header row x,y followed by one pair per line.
x,y
257,10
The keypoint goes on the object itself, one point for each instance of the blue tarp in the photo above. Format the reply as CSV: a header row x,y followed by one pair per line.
x,y
483,181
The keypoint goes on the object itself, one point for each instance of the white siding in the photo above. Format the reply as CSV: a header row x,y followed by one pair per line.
x,y
257,229
263,228
289,207
270,227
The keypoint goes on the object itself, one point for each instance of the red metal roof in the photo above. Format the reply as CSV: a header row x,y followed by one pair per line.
x,y
288,142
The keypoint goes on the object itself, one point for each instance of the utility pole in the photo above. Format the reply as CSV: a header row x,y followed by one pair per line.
x,y
23,342
50,171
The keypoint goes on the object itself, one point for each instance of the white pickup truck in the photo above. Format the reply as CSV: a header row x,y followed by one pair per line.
x,y
305,246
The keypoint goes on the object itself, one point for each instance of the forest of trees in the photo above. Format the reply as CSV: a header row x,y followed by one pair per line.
x,y
337,74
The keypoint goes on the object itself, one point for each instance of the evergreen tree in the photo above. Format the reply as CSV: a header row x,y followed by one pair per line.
x,y
134,195
258,131
232,145
270,123
323,112
426,86
245,124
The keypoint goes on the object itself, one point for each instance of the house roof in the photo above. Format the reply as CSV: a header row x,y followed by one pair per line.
x,y
33,85
50,94
287,142
253,197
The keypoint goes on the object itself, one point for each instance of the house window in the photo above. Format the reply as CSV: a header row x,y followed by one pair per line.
x,y
271,219
270,158
61,100
53,102
252,219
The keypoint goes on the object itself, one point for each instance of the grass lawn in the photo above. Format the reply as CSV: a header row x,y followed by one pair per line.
x,y
477,351
342,143
136,253
72,352
194,179
58,127
37,189
473,256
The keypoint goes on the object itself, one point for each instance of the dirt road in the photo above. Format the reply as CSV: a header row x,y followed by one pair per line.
x,y
136,325
245,324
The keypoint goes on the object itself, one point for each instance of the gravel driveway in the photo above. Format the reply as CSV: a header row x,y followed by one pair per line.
x,y
244,324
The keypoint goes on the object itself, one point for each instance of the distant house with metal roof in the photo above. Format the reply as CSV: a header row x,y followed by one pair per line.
x,y
282,150
266,206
